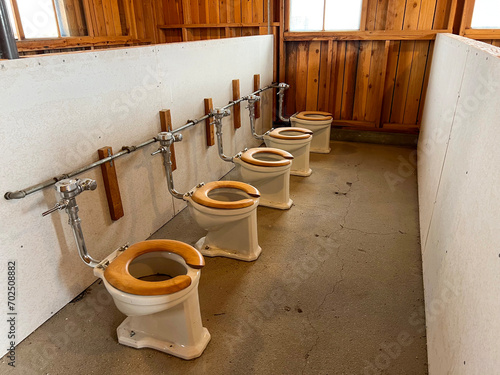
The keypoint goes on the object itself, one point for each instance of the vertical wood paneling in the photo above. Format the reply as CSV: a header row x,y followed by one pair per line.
x,y
246,11
349,85
301,79
325,76
313,66
362,77
291,76
375,82
339,79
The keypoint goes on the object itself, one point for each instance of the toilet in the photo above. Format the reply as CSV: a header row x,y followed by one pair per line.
x,y
320,123
268,169
155,283
227,210
295,140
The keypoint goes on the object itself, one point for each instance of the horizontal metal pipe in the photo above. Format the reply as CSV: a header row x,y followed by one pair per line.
x,y
233,103
32,189
191,123
125,150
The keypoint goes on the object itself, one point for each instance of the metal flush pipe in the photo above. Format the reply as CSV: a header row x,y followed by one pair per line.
x,y
166,140
219,114
69,189
281,92
8,46
252,99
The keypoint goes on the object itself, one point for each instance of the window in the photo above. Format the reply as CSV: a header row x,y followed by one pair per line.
x,y
486,14
38,18
325,15
33,19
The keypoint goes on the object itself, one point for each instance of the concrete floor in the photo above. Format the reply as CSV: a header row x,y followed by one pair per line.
x,y
337,289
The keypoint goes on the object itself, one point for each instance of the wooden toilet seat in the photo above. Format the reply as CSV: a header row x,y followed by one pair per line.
x,y
200,195
249,157
118,276
314,116
277,133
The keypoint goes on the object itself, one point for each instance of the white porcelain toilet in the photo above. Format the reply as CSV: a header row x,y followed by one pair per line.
x,y
155,283
295,140
320,123
228,211
268,169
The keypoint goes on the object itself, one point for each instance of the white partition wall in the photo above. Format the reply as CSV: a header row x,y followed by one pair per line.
x,y
459,195
57,110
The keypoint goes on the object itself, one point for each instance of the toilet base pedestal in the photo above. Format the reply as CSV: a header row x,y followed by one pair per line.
x,y
301,173
212,251
129,336
320,150
272,204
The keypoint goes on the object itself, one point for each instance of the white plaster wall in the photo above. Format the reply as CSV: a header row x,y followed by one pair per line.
x,y
459,191
57,110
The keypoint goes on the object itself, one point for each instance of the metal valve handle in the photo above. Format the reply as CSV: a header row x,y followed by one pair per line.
x,y
58,207
68,189
220,113
166,139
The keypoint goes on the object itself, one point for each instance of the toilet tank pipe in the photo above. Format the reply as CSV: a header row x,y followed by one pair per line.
x,y
167,162
281,93
219,114
75,222
166,140
252,99
69,189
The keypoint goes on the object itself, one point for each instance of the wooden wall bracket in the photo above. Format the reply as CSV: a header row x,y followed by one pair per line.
x,y
237,107
256,86
166,126
208,126
111,184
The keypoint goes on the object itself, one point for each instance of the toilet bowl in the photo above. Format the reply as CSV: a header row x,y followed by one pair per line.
x,y
228,211
320,123
268,169
155,283
295,140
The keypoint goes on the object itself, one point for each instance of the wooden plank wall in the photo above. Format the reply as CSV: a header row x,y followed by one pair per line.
x,y
188,20
185,20
368,83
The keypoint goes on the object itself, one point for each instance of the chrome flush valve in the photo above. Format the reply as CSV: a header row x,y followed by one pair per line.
x,y
252,99
166,139
68,190
220,113
283,86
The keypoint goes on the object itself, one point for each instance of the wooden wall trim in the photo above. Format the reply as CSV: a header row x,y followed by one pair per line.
x,y
74,42
216,25
364,35
482,34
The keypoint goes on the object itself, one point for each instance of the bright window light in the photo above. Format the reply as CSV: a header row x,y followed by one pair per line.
x,y
339,15
486,14
38,18
343,15
306,15
11,18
